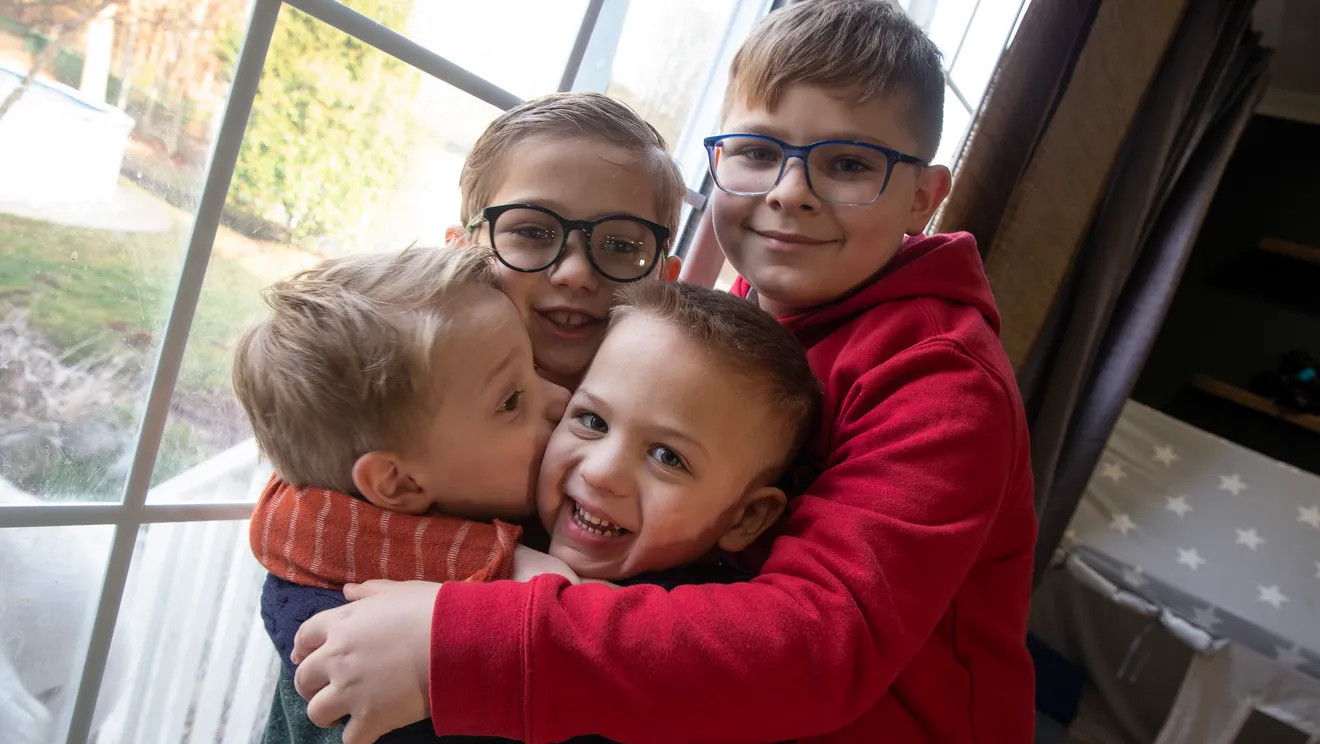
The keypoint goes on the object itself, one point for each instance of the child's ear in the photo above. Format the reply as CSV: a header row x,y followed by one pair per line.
x,y
383,480
932,186
669,268
760,510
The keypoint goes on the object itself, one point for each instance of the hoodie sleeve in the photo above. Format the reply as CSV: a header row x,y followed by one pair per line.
x,y
925,449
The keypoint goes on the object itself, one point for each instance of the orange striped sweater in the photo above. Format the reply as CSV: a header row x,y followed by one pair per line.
x,y
317,537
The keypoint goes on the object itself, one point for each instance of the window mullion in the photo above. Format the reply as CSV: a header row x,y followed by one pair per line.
x,y
963,39
224,156
405,50
958,94
580,44
597,63
84,514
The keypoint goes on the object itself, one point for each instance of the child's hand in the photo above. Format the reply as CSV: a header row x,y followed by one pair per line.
x,y
528,563
369,659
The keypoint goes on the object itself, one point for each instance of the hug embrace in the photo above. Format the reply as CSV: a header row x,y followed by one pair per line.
x,y
608,504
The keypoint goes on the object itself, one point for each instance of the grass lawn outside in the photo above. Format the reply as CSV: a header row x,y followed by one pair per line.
x,y
97,301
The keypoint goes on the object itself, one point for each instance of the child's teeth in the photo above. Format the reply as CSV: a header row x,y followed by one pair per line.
x,y
569,319
594,524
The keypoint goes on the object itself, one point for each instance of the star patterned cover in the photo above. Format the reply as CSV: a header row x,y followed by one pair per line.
x,y
1223,537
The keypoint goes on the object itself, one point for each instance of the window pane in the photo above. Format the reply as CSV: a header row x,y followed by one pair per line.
x,y
985,42
104,156
943,20
50,580
347,150
957,121
664,56
519,45
200,667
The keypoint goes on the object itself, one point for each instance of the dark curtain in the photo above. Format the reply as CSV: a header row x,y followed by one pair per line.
x,y
1083,308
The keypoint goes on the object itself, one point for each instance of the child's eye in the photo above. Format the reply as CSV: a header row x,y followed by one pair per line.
x,y
510,403
758,154
851,165
532,232
667,457
592,422
619,246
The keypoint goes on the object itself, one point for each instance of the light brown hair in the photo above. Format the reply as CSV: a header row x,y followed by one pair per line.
x,y
864,48
345,364
747,342
570,115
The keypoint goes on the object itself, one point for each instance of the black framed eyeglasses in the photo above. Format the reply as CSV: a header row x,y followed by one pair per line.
x,y
837,171
531,238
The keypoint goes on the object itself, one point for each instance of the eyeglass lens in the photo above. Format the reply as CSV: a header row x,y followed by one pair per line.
x,y
529,240
840,173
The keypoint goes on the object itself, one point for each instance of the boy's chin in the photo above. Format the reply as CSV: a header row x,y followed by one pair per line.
x,y
788,292
582,564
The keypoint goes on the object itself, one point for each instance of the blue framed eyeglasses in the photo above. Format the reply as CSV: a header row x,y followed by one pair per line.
x,y
837,171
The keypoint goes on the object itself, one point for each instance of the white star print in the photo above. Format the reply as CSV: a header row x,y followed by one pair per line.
x,y
1113,471
1135,577
1271,595
1205,617
1232,483
1123,523
1289,656
1190,558
1309,515
1177,504
1165,455
1250,539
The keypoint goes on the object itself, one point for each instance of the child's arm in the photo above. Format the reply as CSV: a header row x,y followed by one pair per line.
x,y
871,559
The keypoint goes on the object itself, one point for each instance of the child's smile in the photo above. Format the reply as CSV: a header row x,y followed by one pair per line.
x,y
591,521
569,324
631,483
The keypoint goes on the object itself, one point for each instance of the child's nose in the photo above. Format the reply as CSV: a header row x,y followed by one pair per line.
x,y
793,192
604,469
573,269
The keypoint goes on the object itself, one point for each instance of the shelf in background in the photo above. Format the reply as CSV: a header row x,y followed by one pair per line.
x,y
1291,249
1248,399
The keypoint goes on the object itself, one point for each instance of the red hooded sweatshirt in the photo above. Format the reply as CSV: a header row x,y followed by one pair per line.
x,y
892,605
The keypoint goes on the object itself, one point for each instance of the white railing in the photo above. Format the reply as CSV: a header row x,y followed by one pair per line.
x,y
202,668
190,661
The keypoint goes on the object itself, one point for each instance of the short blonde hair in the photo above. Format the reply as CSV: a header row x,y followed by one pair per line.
x,y
344,365
571,115
869,48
